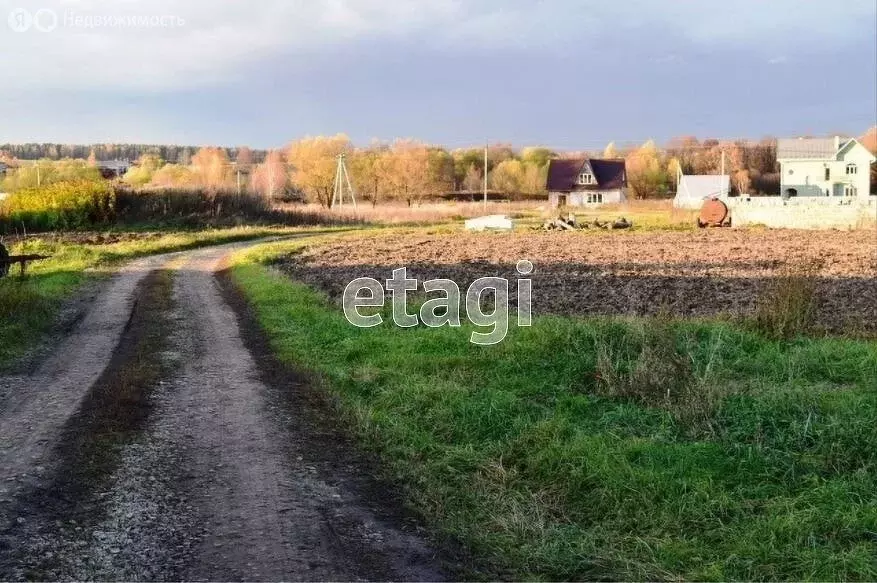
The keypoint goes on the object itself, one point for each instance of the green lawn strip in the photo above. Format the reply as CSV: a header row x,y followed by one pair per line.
x,y
509,449
28,307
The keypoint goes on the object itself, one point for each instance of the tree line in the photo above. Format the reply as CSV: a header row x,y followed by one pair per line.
x,y
104,152
410,171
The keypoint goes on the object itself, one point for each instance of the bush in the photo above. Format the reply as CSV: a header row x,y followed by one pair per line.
x,y
62,205
84,204
46,172
163,204
200,206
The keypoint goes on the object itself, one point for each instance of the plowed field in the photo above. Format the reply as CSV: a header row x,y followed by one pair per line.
x,y
704,273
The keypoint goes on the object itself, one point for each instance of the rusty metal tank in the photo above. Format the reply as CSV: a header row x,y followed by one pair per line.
x,y
714,213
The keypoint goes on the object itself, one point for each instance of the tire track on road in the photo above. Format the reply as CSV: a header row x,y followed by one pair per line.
x,y
211,473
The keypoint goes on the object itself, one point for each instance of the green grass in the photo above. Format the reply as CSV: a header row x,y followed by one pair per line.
x,y
521,453
29,307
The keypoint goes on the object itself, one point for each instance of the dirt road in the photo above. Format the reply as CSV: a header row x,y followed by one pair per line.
x,y
162,441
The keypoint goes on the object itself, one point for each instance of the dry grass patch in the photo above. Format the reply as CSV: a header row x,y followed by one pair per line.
x,y
787,308
648,367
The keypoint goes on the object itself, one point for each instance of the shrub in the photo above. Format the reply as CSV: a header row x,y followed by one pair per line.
x,y
62,205
46,172
159,204
200,206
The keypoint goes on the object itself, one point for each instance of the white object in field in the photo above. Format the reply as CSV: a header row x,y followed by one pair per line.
x,y
3,195
493,222
693,190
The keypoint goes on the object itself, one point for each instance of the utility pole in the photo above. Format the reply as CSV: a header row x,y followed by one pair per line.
x,y
38,173
342,182
723,174
486,145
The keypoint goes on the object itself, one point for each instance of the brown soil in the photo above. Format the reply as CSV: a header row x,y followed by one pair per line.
x,y
703,273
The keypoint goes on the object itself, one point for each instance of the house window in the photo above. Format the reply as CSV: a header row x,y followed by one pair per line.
x,y
595,198
586,178
828,173
850,190
852,169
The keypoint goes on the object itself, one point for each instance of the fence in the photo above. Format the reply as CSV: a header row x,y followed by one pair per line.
x,y
804,213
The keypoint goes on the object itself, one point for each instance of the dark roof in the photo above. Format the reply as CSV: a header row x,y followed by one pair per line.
x,y
563,174
609,173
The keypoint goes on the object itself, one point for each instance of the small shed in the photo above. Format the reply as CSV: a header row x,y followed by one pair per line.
x,y
693,190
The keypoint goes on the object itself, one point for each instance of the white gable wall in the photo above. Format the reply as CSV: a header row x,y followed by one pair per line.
x,y
587,197
808,176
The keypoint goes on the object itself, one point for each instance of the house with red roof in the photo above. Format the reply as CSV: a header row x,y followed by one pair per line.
x,y
586,182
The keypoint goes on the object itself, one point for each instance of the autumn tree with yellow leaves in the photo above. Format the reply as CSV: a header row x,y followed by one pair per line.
x,y
210,168
314,162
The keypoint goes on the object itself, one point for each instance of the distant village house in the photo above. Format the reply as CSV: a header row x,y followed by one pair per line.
x,y
586,182
824,167
113,168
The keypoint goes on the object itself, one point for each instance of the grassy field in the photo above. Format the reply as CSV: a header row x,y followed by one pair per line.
x,y
590,448
645,214
29,307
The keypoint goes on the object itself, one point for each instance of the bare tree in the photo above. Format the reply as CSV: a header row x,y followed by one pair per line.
x,y
473,180
244,158
270,177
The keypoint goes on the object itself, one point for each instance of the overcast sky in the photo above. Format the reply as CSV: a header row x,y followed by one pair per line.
x,y
570,74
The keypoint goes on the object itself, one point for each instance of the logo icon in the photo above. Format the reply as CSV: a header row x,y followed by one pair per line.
x,y
20,20
45,20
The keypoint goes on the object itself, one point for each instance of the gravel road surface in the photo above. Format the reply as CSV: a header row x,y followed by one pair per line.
x,y
161,441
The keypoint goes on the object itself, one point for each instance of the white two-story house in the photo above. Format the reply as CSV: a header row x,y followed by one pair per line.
x,y
824,167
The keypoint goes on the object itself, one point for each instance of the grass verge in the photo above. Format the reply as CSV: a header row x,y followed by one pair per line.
x,y
29,307
763,467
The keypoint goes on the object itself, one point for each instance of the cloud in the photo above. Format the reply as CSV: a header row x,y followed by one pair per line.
x,y
160,45
666,59
125,45
779,60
